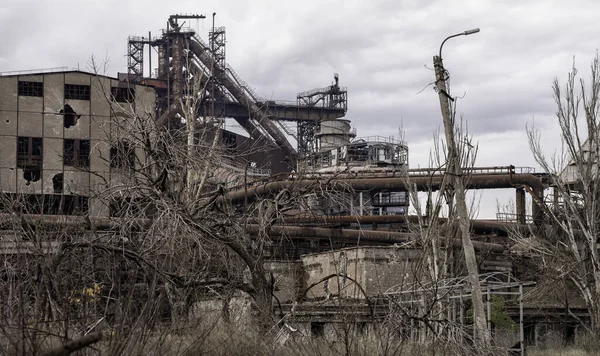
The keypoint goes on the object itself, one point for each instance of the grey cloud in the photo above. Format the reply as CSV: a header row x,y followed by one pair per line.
x,y
382,50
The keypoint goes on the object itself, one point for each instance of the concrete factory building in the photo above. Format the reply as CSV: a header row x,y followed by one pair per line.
x,y
55,148
64,140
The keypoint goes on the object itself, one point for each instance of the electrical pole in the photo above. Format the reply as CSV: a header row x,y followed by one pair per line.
x,y
455,177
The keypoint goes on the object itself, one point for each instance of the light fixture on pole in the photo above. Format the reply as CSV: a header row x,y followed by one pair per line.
x,y
465,33
454,187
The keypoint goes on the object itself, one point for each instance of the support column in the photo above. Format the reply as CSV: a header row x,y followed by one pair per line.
x,y
536,210
163,60
520,208
177,66
360,203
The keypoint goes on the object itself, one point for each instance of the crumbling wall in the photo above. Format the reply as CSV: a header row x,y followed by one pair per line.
x,y
375,269
342,263
387,267
288,277
237,311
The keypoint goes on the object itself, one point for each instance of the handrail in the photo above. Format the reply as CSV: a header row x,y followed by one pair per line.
x,y
35,71
510,217
377,138
226,94
281,102
236,78
286,130
253,95
475,170
243,84
264,172
322,90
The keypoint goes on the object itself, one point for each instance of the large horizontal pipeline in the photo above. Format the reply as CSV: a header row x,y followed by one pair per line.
x,y
420,183
8,221
348,235
478,226
294,232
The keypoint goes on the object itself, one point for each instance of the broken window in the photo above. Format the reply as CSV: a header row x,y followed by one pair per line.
x,y
122,95
569,334
76,153
53,204
70,117
529,334
122,156
57,182
77,92
75,205
31,88
29,151
57,204
29,203
29,157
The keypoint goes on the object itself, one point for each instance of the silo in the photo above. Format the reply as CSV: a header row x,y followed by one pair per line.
x,y
333,133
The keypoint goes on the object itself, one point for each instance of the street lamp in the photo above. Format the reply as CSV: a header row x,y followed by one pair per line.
x,y
465,33
454,186
453,167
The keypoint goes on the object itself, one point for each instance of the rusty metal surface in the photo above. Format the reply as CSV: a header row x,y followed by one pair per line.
x,y
420,183
478,226
8,221
348,235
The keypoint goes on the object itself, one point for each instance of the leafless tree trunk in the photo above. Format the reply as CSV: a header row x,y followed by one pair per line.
x,y
568,246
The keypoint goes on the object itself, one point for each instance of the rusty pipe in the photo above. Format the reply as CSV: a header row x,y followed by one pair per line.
x,y
8,221
420,183
478,226
348,235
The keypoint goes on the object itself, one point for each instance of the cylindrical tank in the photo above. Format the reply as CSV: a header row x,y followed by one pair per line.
x,y
333,133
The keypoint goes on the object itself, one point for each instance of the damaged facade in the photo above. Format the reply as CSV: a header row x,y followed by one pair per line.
x,y
57,129
337,254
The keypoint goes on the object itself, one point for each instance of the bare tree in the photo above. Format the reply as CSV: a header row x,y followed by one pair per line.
x,y
567,246
172,238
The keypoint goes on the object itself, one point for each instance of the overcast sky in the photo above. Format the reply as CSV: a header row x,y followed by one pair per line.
x,y
381,49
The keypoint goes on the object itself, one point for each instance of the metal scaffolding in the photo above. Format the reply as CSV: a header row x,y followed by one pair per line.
x,y
135,57
455,294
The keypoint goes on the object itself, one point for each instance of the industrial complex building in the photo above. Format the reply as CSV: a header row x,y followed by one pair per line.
x,y
56,138
61,148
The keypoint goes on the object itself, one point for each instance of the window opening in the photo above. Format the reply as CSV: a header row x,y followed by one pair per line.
x,y
77,92
76,153
31,88
122,95
122,156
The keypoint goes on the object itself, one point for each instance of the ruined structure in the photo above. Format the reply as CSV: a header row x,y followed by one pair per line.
x,y
57,128
349,246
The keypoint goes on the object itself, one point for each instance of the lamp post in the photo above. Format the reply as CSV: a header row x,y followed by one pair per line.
x,y
456,189
439,76
445,97
464,33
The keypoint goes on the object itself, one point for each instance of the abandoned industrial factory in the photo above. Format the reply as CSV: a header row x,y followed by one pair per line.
x,y
333,218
